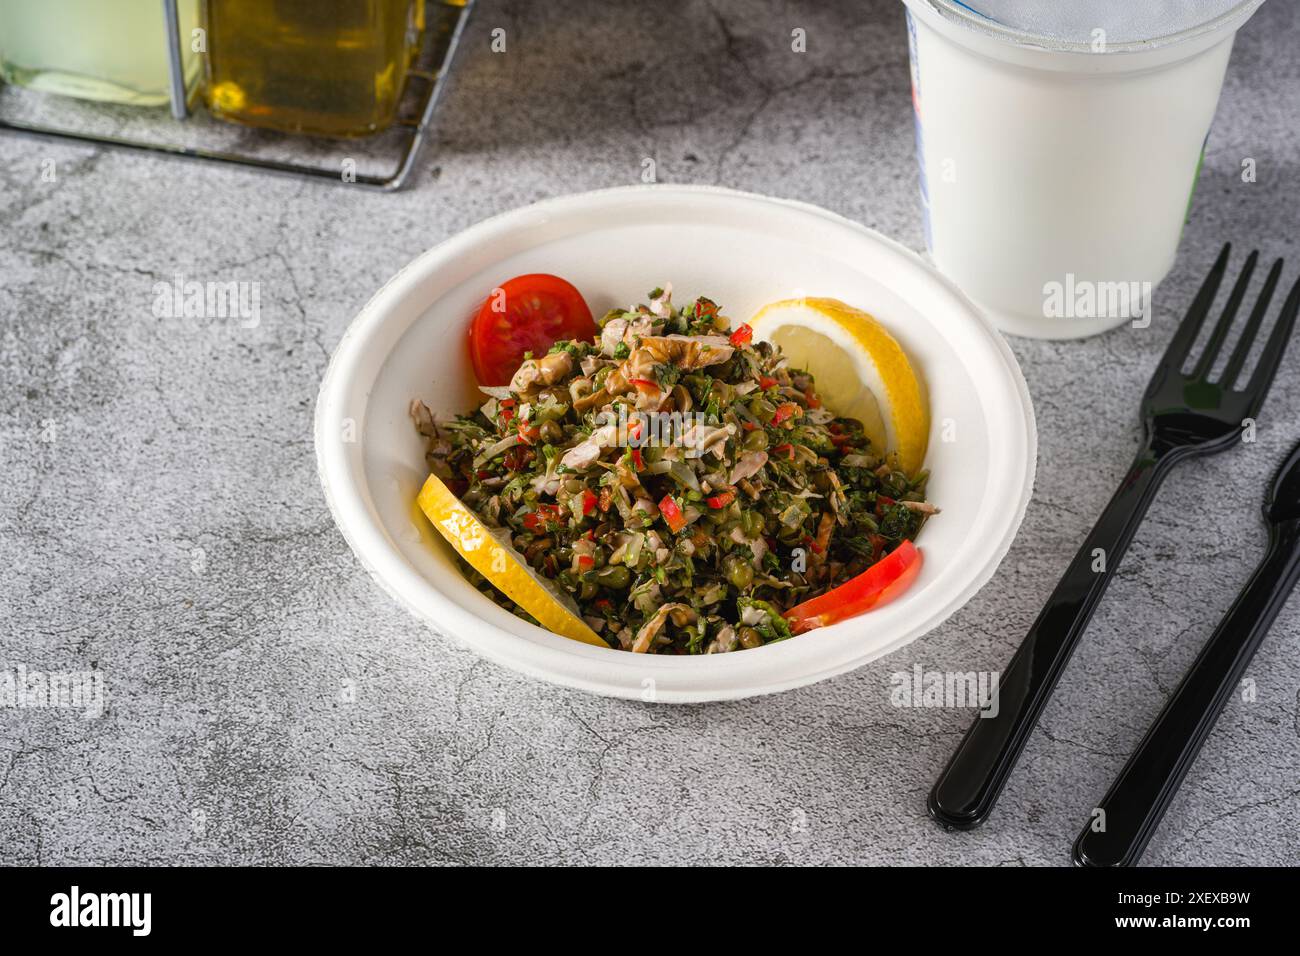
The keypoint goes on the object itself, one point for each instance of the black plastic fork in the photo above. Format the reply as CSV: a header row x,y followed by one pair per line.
x,y
1184,415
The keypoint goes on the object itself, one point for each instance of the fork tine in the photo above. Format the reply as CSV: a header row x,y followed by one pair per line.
x,y
1272,355
1242,351
1185,336
1221,328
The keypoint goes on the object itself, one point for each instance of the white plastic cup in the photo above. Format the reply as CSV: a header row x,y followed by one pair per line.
x,y
1055,175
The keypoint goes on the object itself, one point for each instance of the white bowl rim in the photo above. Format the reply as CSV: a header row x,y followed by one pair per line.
x,y
549,657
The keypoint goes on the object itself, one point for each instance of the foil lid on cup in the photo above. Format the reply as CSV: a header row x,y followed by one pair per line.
x,y
1095,26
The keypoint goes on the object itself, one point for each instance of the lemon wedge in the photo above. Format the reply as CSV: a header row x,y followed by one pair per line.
x,y
861,371
491,555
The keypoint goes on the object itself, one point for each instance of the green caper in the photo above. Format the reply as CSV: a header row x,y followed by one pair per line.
x,y
614,576
750,637
550,432
756,440
738,571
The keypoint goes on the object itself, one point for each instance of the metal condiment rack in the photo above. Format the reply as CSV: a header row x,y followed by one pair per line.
x,y
445,22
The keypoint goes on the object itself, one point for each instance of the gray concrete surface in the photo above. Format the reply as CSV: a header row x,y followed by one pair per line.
x,y
161,520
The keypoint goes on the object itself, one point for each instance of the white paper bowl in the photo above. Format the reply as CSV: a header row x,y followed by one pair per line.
x,y
615,245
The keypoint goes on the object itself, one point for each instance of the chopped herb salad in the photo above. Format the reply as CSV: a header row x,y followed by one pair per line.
x,y
682,483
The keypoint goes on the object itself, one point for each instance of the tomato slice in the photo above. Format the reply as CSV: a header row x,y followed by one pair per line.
x,y
672,514
528,313
879,584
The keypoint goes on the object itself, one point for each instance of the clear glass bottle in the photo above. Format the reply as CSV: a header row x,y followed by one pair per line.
x,y
109,50
323,67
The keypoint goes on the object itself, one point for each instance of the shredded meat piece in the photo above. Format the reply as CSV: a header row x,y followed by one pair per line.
x,y
682,614
546,371
688,351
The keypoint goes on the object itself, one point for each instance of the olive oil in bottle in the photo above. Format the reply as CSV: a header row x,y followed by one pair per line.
x,y
115,52
322,67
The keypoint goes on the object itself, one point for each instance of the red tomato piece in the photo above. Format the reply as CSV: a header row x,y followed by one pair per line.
x,y
673,516
879,584
517,457
721,500
528,313
786,410
544,515
742,336
706,308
